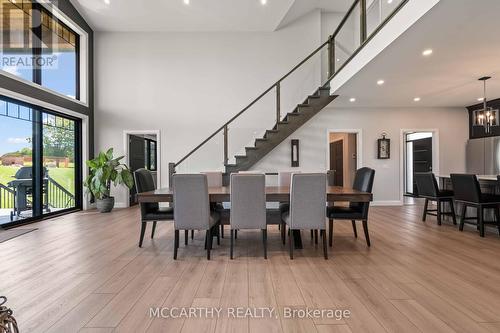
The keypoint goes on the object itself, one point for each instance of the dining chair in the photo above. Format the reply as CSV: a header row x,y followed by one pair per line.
x,y
214,179
307,207
192,208
248,205
468,193
428,188
150,211
363,181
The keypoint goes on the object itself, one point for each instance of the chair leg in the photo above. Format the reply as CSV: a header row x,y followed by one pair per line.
x,y
153,230
463,208
365,229
438,203
192,234
209,242
453,216
497,215
217,231
232,245
330,232
290,240
186,233
315,236
325,248
312,234
222,230
236,234
143,230
283,233
176,243
426,206
264,239
480,220
354,228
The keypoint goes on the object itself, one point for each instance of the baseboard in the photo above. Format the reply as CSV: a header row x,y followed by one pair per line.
x,y
121,205
387,203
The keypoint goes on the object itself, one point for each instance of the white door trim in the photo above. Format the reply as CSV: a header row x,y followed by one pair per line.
x,y
435,154
359,145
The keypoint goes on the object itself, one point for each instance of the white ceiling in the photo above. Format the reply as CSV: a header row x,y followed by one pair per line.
x,y
199,15
465,38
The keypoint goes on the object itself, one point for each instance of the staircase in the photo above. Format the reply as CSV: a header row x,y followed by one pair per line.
x,y
285,126
283,129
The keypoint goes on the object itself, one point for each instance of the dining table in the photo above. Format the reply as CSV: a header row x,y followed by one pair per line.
x,y
273,194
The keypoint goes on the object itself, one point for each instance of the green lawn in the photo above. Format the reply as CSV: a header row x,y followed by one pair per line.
x,y
64,176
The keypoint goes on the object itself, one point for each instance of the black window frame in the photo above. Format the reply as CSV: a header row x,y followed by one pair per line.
x,y
36,47
37,157
148,154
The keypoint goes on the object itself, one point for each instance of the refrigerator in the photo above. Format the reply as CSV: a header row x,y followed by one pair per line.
x,y
483,156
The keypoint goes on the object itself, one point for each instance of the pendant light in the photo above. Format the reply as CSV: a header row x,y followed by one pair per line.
x,y
486,117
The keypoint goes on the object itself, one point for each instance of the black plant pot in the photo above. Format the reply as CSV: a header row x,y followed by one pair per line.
x,y
105,205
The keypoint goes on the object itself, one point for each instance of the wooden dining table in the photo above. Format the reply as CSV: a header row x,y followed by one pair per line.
x,y
273,194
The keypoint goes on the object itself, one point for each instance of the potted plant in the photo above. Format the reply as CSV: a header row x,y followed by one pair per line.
x,y
105,169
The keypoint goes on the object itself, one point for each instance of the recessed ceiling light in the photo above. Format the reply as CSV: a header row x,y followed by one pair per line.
x,y
427,52
416,99
480,99
380,82
186,2
389,1
263,2
338,59
352,99
107,2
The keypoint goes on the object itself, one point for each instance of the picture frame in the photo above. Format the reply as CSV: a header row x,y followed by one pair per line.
x,y
384,148
295,153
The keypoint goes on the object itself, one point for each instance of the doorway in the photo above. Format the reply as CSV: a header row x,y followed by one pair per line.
x,y
418,158
343,157
142,153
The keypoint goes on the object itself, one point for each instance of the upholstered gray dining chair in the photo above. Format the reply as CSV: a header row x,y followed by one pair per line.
x,y
307,207
248,205
192,208
150,211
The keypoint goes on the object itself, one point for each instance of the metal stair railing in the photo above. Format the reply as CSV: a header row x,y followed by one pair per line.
x,y
332,72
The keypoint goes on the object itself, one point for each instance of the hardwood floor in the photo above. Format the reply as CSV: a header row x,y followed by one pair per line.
x,y
84,273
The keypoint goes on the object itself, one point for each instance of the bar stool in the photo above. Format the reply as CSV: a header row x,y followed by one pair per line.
x,y
468,193
428,188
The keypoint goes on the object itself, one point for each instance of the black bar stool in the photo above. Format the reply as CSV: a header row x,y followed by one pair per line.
x,y
428,188
468,193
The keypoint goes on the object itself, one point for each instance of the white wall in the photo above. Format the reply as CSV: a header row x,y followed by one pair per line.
x,y
188,84
451,123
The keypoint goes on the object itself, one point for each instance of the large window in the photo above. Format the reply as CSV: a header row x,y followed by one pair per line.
x,y
39,162
38,47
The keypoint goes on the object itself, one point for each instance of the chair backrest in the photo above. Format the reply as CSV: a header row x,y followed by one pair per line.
x,y
214,178
144,182
330,177
248,201
307,201
466,187
285,177
426,184
363,181
192,208
250,172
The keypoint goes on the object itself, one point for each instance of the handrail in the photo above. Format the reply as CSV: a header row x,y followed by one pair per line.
x,y
364,38
253,102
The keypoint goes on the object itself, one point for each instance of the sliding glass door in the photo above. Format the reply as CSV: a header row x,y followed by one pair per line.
x,y
40,164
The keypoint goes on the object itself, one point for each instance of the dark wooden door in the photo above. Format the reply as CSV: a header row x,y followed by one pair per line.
x,y
137,160
422,158
337,162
